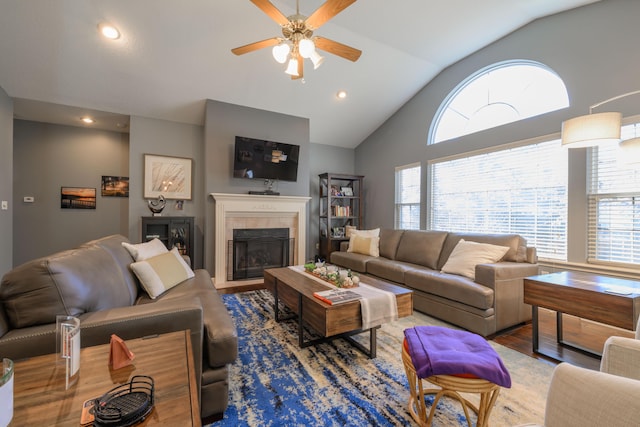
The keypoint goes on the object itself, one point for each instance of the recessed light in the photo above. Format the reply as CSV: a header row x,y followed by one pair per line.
x,y
109,31
87,120
342,94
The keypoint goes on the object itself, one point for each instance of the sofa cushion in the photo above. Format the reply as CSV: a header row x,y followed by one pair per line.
x,y
146,250
421,247
513,241
365,245
389,240
351,260
466,255
450,286
162,272
70,282
388,269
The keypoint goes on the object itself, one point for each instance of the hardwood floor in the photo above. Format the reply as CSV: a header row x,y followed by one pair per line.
x,y
579,332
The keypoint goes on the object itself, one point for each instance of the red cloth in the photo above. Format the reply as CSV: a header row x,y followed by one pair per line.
x,y
436,350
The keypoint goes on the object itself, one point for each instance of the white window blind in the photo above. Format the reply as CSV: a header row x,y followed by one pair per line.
x,y
614,205
408,197
519,190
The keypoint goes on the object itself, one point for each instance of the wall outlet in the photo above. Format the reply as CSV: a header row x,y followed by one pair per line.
x,y
317,245
5,205
28,199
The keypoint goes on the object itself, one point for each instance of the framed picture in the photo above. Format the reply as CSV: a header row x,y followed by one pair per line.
x,y
167,176
77,198
346,191
115,186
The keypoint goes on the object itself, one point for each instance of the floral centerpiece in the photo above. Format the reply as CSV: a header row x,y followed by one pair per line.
x,y
341,278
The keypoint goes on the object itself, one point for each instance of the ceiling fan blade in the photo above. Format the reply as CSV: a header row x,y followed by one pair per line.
x,y
255,46
267,7
339,49
326,11
300,68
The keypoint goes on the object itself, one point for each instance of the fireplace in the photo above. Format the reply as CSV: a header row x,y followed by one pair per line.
x,y
254,249
236,211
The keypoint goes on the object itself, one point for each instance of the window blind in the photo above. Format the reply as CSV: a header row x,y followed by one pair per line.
x,y
614,205
407,215
519,190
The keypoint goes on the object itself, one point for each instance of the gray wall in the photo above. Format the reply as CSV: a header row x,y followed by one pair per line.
x,y
6,180
48,157
151,136
593,49
223,122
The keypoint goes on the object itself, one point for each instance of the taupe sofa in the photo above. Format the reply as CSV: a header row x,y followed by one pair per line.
x,y
95,283
491,302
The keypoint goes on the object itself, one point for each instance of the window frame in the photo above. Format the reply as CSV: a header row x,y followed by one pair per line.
x,y
399,205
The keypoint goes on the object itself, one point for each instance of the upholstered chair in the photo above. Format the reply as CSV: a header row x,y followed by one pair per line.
x,y
609,397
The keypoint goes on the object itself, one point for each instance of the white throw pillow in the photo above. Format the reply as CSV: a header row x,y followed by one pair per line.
x,y
142,251
374,232
162,272
466,255
366,245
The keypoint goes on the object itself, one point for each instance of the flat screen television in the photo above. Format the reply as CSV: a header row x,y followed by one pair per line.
x,y
260,159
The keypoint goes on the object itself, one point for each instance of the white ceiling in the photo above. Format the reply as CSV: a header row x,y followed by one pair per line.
x,y
173,55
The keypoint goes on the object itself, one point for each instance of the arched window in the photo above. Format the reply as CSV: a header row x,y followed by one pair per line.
x,y
498,94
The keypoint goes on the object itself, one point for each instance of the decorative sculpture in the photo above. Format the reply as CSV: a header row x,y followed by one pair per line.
x,y
156,206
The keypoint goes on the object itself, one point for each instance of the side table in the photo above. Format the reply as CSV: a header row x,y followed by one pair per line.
x,y
40,397
603,299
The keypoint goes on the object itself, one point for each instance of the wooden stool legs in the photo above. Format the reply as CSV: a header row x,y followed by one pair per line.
x,y
450,386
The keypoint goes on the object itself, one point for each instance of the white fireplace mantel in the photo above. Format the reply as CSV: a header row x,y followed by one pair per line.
x,y
258,210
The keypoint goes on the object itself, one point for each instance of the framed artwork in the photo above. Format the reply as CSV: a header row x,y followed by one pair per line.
x,y
77,198
346,191
115,186
167,176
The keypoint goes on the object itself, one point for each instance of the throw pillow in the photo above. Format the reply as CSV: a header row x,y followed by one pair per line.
x,y
142,251
466,255
162,272
375,232
349,229
366,245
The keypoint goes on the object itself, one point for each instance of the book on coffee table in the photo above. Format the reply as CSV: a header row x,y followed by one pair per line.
x,y
337,296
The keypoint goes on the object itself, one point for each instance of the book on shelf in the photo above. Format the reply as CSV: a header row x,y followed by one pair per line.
x,y
337,296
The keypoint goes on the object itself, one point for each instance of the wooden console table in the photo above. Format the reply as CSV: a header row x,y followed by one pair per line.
x,y
607,300
41,399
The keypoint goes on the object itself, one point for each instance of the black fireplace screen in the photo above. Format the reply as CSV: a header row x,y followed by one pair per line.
x,y
252,250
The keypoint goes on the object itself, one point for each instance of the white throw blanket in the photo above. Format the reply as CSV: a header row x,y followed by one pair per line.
x,y
377,306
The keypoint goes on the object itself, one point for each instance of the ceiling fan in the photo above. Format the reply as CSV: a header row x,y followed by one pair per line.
x,y
298,41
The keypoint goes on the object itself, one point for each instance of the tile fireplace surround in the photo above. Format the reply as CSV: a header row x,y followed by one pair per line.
x,y
255,211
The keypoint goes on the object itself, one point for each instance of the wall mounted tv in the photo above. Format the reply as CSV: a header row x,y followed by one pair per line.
x,y
259,159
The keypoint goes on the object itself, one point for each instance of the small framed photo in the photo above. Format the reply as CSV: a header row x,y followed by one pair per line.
x,y
169,177
77,198
115,186
338,232
346,191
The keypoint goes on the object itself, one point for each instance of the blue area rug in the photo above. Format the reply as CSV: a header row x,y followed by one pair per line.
x,y
275,383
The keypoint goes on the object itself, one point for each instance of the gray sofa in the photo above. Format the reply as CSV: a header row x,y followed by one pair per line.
x,y
485,305
94,282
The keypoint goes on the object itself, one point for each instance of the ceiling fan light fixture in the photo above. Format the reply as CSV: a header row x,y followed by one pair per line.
x,y
109,31
316,59
306,47
292,67
281,52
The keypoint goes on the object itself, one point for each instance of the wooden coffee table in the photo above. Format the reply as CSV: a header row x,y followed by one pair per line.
x,y
295,290
607,300
40,397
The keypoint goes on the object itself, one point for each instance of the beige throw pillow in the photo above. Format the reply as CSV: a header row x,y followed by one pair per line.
x,y
142,251
374,232
162,272
466,255
366,245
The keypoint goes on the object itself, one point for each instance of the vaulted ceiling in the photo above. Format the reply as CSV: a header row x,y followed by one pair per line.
x,y
173,55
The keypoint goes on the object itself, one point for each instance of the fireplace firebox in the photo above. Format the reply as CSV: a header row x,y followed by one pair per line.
x,y
254,249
